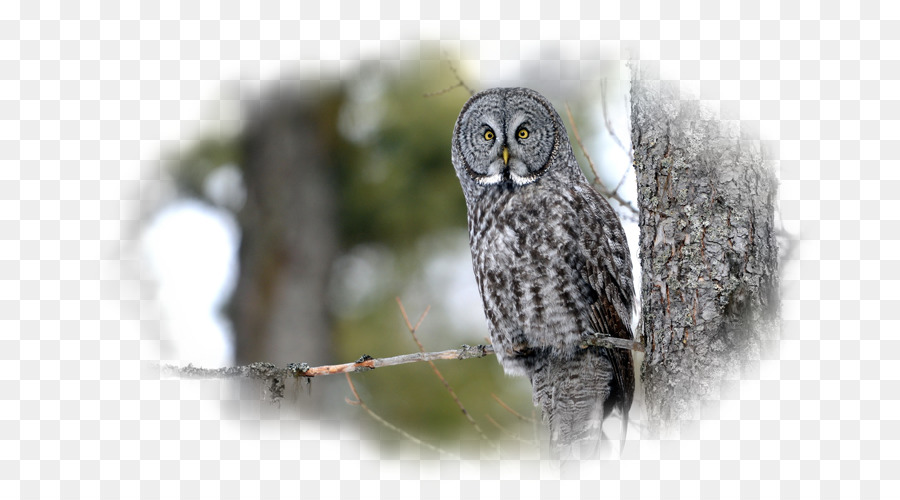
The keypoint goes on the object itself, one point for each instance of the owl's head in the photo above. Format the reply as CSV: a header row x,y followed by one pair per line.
x,y
506,136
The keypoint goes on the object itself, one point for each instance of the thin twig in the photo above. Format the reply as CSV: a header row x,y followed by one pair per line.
x,y
612,133
460,80
412,331
609,127
622,180
359,402
507,407
507,432
597,182
459,83
443,91
580,144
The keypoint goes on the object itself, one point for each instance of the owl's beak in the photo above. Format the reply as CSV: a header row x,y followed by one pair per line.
x,y
505,155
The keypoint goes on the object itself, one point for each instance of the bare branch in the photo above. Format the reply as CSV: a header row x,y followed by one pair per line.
x,y
612,343
412,331
268,371
601,188
359,402
274,377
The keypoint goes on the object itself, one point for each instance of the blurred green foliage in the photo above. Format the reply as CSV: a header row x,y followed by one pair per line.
x,y
401,183
192,168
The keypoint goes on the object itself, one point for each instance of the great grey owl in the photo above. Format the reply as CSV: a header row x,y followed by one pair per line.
x,y
551,261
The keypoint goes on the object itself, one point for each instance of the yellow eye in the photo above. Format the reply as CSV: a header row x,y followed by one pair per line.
x,y
523,133
489,135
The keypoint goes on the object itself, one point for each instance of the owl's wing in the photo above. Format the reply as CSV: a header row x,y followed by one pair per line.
x,y
607,266
608,270
606,320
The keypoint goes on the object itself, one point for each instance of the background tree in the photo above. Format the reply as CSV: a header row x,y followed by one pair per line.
x,y
289,151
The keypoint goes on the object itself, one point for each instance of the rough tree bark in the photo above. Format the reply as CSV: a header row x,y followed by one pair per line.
x,y
288,230
708,251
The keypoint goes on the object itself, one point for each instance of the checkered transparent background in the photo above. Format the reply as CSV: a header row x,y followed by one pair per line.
x,y
93,93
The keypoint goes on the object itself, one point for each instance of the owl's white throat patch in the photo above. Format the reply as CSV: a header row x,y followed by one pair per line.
x,y
518,180
489,180
521,180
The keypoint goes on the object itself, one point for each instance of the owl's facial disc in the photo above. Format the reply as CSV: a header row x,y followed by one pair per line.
x,y
506,136
501,142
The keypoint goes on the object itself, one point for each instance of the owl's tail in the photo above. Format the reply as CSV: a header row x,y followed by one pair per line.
x,y
575,394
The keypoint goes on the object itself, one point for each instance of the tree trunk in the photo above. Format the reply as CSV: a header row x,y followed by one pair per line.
x,y
289,234
708,252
